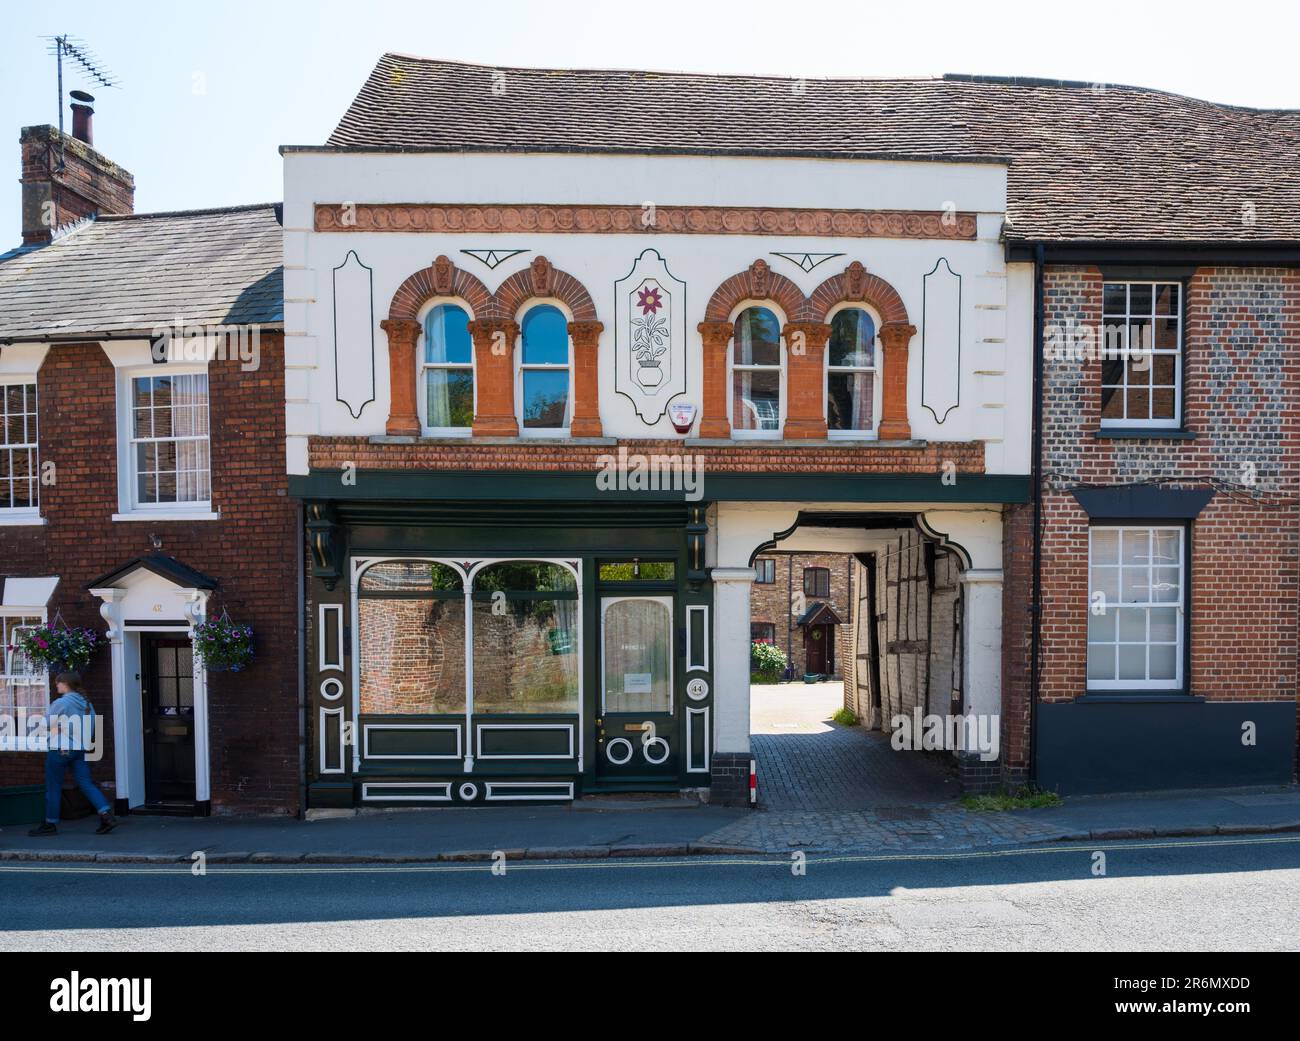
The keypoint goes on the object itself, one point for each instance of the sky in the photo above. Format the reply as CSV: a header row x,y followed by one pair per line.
x,y
209,91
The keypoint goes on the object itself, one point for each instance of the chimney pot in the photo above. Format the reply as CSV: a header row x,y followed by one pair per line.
x,y
82,114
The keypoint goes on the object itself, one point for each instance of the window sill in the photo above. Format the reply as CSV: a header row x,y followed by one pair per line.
x,y
167,515
21,520
810,442
1144,433
557,439
1138,697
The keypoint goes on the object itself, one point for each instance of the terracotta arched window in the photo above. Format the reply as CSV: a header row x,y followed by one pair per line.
x,y
852,370
447,372
544,372
757,378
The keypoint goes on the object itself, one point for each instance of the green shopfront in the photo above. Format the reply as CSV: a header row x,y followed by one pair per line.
x,y
468,653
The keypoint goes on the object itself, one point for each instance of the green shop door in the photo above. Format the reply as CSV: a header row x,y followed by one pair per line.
x,y
635,732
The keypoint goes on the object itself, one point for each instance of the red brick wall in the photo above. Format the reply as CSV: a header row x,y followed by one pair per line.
x,y
771,602
1242,399
250,551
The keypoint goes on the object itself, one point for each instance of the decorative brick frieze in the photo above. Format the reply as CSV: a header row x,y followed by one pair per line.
x,y
549,219
452,455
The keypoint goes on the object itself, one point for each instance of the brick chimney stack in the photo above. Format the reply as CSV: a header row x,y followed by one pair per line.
x,y
65,179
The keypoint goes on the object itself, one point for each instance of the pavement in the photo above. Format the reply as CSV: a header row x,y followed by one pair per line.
x,y
822,787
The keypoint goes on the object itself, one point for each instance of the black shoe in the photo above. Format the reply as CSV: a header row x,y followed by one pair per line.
x,y
45,828
106,824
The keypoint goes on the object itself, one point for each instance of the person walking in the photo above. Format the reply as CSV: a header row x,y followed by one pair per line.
x,y
71,730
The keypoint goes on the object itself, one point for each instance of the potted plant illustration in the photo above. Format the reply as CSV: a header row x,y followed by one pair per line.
x,y
649,338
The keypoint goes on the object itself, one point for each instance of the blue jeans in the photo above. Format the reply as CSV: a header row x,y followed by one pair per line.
x,y
55,764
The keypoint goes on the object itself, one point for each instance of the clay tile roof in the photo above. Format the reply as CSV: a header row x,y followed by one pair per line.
x,y
1087,163
126,274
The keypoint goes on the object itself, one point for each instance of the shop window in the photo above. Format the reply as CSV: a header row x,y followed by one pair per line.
x,y
411,638
526,647
757,409
851,372
1136,620
447,371
816,581
543,381
766,571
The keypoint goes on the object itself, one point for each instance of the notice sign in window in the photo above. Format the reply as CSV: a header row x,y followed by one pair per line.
x,y
637,682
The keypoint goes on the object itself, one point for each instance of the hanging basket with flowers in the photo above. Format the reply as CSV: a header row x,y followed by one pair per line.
x,y
223,645
56,646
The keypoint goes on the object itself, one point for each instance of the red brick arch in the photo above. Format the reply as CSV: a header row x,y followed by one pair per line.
x,y
441,278
758,282
855,285
540,279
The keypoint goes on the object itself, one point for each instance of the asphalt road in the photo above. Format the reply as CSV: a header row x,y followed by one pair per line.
x,y
1190,894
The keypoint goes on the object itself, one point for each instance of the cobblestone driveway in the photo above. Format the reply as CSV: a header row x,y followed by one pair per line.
x,y
806,762
822,786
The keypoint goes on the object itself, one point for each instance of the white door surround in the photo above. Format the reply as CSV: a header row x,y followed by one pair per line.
x,y
141,600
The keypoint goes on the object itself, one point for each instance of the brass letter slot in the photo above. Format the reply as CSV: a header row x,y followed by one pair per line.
x,y
634,728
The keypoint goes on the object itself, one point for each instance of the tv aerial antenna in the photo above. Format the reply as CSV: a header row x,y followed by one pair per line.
x,y
75,50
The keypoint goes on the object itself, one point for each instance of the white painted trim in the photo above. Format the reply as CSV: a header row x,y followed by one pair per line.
x,y
691,713
367,727
610,755
645,751
324,664
478,739
565,787
128,733
690,649
366,795
21,518
343,744
334,683
163,515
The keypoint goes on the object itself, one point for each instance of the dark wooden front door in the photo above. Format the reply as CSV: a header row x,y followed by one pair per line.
x,y
167,700
819,649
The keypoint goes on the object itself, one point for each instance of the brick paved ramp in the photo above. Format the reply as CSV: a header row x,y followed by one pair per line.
x,y
806,762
